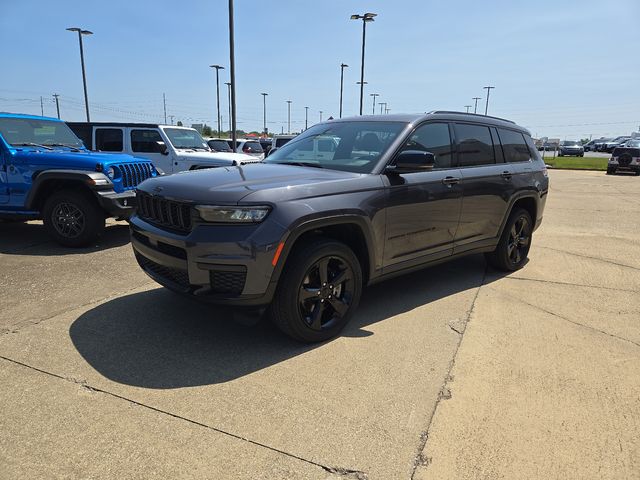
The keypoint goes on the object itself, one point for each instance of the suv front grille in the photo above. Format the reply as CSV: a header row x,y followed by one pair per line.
x,y
164,213
174,275
134,173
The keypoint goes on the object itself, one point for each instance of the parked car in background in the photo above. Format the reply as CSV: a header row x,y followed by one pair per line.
x,y
278,141
47,173
608,147
570,148
599,144
307,229
219,145
171,149
265,143
625,159
590,146
249,147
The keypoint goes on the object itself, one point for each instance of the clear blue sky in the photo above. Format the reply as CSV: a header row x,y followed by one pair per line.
x,y
562,68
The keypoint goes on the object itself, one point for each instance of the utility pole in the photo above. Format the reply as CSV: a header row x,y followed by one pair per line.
x,y
381,104
228,84
342,67
320,115
488,88
84,76
264,112
367,17
289,116
475,107
468,107
306,117
164,102
55,95
41,107
218,68
232,68
171,117
386,109
374,95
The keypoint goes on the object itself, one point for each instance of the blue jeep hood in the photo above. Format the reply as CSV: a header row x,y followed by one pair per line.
x,y
82,160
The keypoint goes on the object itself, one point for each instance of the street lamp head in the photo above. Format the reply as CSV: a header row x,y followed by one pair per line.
x,y
374,94
368,17
355,17
227,83
344,65
217,67
82,32
265,94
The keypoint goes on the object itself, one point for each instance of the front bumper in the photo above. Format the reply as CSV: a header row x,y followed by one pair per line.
x,y
119,205
228,265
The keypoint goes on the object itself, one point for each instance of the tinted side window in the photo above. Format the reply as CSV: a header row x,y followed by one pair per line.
x,y
109,139
514,146
475,146
145,141
434,138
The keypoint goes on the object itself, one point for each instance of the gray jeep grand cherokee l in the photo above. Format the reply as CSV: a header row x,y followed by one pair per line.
x,y
347,203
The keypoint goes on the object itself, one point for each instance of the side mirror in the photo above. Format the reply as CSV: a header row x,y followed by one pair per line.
x,y
162,148
411,161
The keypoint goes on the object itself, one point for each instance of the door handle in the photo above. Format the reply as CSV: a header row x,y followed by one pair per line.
x,y
506,175
448,181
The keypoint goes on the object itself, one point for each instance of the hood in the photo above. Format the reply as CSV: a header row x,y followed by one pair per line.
x,y
216,158
258,182
82,160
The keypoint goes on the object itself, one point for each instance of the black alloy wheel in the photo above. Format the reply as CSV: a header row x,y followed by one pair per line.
x,y
519,239
73,218
326,293
68,219
318,290
512,249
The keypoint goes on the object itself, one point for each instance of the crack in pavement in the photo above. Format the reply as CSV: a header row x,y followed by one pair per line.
x,y
571,284
345,472
17,328
557,315
605,260
445,392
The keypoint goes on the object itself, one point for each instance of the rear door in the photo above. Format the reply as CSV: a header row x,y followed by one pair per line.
x,y
423,208
108,139
487,185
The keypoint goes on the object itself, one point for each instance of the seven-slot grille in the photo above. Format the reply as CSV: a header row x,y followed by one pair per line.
x,y
134,173
164,213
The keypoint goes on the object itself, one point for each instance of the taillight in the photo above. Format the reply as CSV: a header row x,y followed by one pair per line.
x,y
545,172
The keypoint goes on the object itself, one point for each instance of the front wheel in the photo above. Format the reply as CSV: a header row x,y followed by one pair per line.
x,y
513,247
73,218
318,292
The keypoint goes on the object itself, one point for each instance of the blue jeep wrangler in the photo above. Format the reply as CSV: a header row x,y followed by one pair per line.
x,y
47,173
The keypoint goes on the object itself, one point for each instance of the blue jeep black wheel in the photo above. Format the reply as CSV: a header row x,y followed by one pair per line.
x,y
73,218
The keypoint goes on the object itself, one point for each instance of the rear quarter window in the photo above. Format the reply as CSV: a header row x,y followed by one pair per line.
x,y
514,146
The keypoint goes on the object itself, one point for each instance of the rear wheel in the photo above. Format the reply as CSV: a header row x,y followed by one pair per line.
x,y
318,292
73,218
611,171
513,247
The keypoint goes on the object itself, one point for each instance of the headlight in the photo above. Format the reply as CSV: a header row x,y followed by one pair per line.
x,y
253,214
111,173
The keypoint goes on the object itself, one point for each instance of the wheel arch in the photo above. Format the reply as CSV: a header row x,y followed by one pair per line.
x,y
50,181
526,200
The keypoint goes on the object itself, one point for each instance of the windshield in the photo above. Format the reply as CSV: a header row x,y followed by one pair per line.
x,y
349,146
185,138
34,132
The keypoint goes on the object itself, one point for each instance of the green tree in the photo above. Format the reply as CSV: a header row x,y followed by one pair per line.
x,y
206,130
179,123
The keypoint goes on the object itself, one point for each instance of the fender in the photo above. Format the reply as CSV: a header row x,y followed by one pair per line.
x,y
326,221
534,194
92,180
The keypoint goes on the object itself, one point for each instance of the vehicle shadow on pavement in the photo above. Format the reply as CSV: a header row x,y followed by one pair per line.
x,y
31,239
158,339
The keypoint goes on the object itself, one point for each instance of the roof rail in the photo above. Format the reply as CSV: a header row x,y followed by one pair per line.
x,y
472,114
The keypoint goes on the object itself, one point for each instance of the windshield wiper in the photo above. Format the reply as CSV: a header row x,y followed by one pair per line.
x,y
73,147
301,164
31,144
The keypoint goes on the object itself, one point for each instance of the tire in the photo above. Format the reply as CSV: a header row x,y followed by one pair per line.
x,y
611,171
518,230
73,218
303,290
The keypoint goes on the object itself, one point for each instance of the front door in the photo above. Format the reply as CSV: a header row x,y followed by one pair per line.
x,y
4,180
423,208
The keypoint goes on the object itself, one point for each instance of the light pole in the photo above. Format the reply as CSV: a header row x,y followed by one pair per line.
x,y
84,76
486,107
264,111
320,115
55,95
306,117
342,67
381,104
367,17
218,68
228,84
475,107
468,107
374,95
232,70
289,116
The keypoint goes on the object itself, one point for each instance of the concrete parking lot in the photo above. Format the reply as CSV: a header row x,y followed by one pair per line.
x,y
453,372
